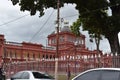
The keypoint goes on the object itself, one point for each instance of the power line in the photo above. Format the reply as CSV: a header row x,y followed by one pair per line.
x,y
70,16
62,17
47,29
14,20
50,16
42,26
82,13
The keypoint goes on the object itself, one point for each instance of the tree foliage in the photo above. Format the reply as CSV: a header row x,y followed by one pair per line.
x,y
92,15
36,5
75,27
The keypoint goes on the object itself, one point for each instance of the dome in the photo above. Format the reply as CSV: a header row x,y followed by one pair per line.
x,y
66,29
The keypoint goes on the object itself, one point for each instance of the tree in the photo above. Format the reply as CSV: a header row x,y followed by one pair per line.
x,y
93,22
114,22
36,5
95,18
93,15
75,27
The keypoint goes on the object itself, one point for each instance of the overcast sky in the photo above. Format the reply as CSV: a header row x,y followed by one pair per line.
x,y
34,28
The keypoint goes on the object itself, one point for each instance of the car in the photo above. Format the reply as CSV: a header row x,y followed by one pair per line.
x,y
99,74
31,75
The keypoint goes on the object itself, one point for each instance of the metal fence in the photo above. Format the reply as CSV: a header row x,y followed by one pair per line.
x,y
74,66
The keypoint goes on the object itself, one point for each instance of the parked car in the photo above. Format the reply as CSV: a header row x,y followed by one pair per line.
x,y
99,74
31,75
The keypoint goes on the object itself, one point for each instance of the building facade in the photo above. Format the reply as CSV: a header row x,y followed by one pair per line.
x,y
73,54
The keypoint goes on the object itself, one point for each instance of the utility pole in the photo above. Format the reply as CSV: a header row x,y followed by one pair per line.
x,y
57,41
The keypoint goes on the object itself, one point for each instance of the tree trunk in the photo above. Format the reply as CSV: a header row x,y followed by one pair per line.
x,y
97,41
111,42
114,43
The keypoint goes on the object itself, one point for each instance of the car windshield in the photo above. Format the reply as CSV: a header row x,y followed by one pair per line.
x,y
17,75
41,75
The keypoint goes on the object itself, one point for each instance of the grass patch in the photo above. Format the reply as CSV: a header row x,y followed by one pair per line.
x,y
64,77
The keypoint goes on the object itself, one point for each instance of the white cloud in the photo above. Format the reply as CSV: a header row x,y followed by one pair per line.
x,y
25,28
119,37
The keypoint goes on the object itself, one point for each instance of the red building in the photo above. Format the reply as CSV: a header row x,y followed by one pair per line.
x,y
73,54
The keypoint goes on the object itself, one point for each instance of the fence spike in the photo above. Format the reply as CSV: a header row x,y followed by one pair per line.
x,y
99,55
112,54
116,54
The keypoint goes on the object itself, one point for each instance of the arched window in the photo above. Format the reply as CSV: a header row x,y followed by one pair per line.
x,y
50,56
54,56
33,56
43,56
46,56
28,55
61,38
